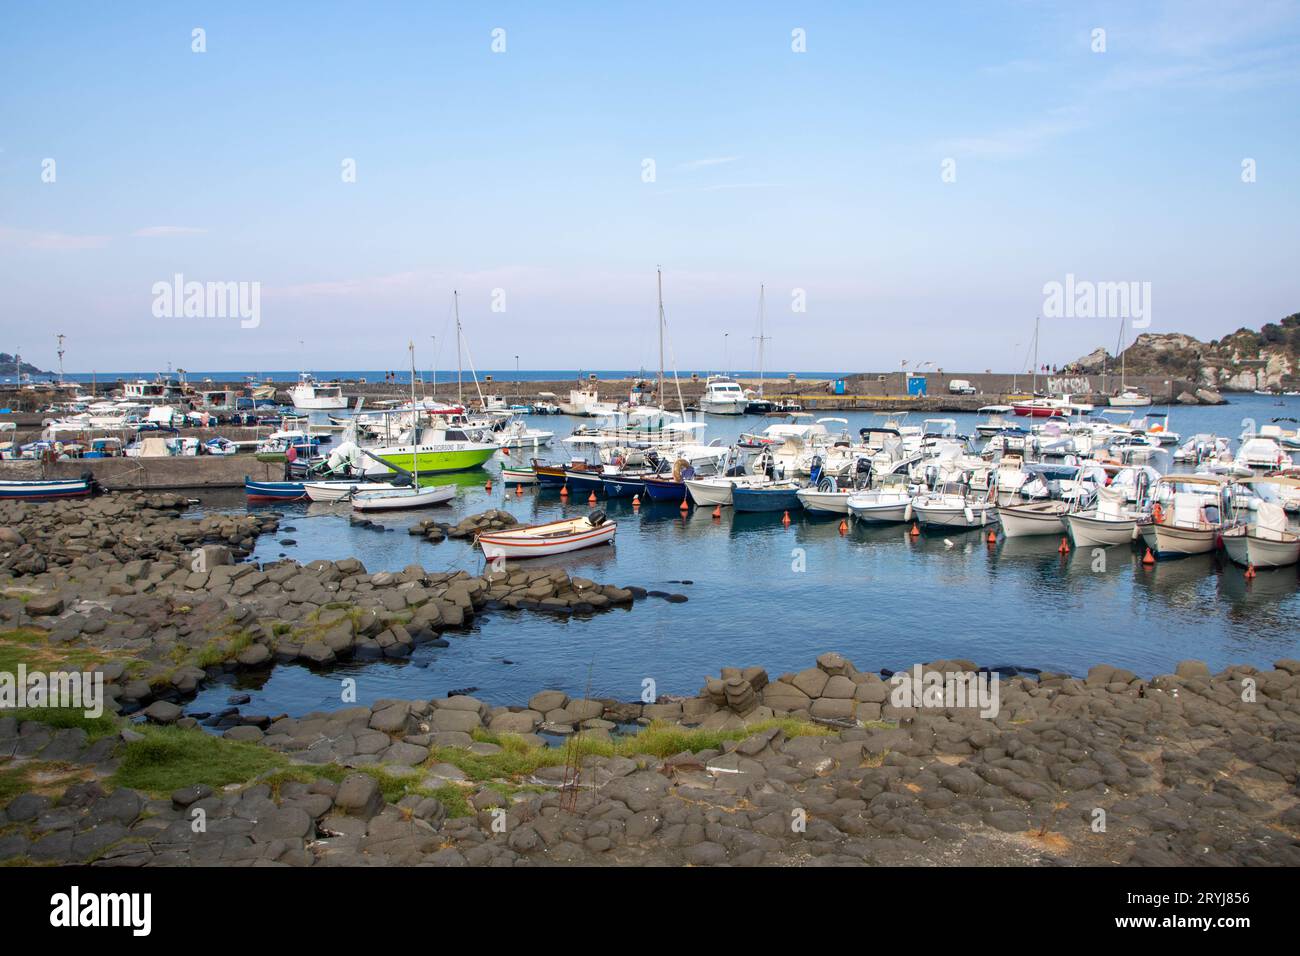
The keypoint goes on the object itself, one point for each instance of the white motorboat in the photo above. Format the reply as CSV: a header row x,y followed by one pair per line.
x,y
311,395
1033,518
1268,543
826,501
517,434
516,475
891,502
1130,398
722,396
1187,515
336,489
1110,523
995,420
544,540
717,489
952,506
1261,452
392,499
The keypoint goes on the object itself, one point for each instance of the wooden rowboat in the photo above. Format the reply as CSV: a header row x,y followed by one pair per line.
x,y
544,540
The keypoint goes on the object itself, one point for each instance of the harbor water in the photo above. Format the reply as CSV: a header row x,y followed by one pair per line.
x,y
759,592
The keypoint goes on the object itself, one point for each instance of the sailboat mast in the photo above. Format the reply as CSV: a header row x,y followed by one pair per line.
x,y
761,338
1037,319
460,398
415,420
659,273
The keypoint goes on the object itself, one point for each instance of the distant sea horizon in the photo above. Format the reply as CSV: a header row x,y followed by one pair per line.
x,y
422,375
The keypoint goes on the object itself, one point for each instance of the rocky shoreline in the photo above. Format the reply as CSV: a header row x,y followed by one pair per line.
x,y
820,767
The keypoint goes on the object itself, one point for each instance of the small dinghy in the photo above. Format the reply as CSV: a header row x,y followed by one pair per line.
x,y
393,499
544,540
337,489
264,491
518,476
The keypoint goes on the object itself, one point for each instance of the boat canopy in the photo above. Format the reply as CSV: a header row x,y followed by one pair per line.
x,y
993,410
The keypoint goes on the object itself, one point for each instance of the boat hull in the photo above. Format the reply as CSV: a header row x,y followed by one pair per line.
x,y
1020,522
1088,531
513,544
1250,550
433,460
43,490
519,476
945,516
402,498
706,493
584,482
765,499
882,512
824,502
657,489
1172,541
623,487
338,490
269,491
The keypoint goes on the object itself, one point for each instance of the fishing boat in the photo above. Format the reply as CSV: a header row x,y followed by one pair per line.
x,y
311,395
265,491
518,475
45,490
625,484
1186,516
953,506
1033,518
768,496
889,503
545,540
392,499
719,489
1108,523
1268,543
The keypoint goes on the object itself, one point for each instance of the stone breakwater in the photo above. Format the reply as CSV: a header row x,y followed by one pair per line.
x,y
159,603
1185,768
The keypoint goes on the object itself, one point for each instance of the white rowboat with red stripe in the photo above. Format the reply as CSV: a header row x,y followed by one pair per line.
x,y
543,540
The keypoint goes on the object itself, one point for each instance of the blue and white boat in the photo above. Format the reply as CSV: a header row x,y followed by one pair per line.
x,y
262,491
624,486
45,490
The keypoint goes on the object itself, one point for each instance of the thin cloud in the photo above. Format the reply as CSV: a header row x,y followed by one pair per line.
x,y
51,241
708,161
1014,142
149,232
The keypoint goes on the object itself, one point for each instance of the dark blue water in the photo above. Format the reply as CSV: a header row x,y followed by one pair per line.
x,y
762,593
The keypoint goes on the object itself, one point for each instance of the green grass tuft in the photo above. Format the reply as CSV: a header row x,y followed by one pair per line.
x,y
170,757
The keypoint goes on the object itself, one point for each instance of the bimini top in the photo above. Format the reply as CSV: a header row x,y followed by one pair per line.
x,y
1197,479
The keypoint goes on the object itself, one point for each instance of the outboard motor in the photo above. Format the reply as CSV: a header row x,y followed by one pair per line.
x,y
596,518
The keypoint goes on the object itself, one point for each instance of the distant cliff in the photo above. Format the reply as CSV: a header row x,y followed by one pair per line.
x,y
7,367
1243,361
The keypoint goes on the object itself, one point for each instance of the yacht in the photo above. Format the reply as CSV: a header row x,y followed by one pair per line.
x,y
311,395
723,397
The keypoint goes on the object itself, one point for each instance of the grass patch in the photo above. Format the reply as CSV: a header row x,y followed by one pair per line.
x,y
170,757
38,776
65,718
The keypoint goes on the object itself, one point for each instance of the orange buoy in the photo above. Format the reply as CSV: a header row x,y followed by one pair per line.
x,y
717,512
785,519
993,537
636,501
519,490
564,491
915,530
488,486
1250,571
591,498
1064,548
1148,559
685,505
844,526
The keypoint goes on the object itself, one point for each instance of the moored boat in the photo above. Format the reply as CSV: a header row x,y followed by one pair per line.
x,y
45,490
1187,515
393,499
1107,524
264,491
338,489
513,475
1268,543
773,496
544,540
1032,518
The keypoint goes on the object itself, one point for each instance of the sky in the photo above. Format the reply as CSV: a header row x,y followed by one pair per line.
x,y
903,179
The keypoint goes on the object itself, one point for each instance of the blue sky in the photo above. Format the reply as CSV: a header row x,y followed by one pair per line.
x,y
522,171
